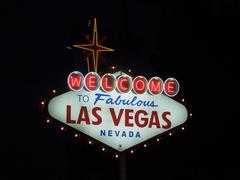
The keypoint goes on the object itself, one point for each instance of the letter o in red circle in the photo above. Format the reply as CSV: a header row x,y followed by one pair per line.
x,y
140,85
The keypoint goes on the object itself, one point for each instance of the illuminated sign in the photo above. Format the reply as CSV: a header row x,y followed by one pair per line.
x,y
118,110
124,83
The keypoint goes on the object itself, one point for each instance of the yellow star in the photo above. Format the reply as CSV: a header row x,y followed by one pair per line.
x,y
94,47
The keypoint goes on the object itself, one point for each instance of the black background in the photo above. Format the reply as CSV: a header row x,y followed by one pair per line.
x,y
196,42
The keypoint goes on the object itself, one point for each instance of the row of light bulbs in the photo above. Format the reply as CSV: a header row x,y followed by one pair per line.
x,y
90,142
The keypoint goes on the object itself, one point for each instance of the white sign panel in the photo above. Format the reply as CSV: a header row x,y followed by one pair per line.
x,y
117,120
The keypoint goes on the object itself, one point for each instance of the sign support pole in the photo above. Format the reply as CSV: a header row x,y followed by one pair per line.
x,y
123,174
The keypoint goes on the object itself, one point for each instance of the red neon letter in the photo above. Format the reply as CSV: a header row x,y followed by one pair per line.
x,y
155,86
75,81
171,87
108,82
140,85
124,84
92,81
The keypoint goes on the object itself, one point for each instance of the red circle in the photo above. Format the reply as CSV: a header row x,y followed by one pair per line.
x,y
171,87
140,85
108,82
155,86
92,81
124,84
75,81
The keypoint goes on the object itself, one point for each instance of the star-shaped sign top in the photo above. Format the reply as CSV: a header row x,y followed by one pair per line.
x,y
94,48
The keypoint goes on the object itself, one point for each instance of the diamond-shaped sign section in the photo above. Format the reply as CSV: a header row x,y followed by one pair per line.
x,y
117,120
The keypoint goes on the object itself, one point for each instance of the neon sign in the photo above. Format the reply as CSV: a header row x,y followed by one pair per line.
x,y
124,83
119,111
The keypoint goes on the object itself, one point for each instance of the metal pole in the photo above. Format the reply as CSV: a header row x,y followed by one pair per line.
x,y
123,174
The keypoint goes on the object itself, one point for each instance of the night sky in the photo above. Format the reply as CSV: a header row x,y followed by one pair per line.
x,y
195,42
